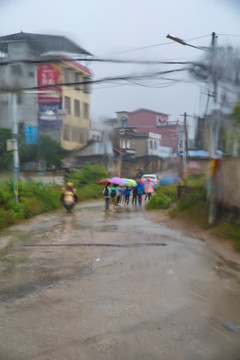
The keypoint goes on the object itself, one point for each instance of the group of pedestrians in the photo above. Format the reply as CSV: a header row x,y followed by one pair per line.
x,y
118,195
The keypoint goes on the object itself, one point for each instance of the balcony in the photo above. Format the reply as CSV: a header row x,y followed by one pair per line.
x,y
129,151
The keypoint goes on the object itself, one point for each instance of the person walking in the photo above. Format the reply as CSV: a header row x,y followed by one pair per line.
x,y
106,196
140,191
113,194
148,189
127,193
134,195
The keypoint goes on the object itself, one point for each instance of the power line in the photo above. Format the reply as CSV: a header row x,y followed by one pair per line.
x,y
86,82
118,61
156,45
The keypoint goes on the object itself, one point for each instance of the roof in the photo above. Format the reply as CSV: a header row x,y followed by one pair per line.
x,y
95,148
201,154
151,111
76,64
43,42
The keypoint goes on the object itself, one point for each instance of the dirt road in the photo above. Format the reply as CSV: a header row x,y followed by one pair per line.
x,y
119,286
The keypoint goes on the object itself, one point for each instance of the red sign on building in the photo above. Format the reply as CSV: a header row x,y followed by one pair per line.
x,y
48,75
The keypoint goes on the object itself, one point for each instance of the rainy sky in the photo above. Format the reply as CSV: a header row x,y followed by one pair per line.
x,y
133,30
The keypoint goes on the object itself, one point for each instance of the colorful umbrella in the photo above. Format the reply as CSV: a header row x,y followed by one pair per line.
x,y
133,182
149,180
103,182
126,182
116,180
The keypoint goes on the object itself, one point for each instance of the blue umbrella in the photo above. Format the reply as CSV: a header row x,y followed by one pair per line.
x,y
166,181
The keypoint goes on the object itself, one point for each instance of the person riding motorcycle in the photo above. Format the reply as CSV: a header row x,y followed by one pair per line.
x,y
69,197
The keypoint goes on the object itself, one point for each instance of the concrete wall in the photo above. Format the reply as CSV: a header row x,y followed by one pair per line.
x,y
229,181
226,178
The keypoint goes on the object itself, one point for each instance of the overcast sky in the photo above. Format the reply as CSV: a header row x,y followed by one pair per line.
x,y
116,28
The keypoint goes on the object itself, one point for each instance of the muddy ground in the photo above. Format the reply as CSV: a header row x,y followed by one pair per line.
x,y
125,285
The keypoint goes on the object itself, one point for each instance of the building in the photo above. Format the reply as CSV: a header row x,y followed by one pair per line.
x,y
172,134
63,112
139,150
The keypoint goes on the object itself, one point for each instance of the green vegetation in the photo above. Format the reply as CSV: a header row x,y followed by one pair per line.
x,y
85,181
36,198
5,156
164,197
193,207
47,149
229,231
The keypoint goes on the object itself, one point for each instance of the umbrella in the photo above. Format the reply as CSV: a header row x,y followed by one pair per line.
x,y
126,182
133,183
149,180
166,181
116,180
103,182
177,179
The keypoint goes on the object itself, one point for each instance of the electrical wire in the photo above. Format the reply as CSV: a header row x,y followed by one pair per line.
x,y
156,45
98,81
103,60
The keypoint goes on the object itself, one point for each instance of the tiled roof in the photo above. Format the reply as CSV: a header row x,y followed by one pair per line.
x,y
151,111
43,42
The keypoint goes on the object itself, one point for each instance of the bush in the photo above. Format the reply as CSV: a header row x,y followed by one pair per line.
x,y
229,231
164,197
159,202
86,176
36,198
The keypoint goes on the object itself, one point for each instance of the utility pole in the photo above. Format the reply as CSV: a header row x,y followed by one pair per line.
x,y
213,136
213,43
185,145
15,144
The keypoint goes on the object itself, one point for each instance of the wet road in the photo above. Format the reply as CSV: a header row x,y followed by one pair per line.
x,y
118,286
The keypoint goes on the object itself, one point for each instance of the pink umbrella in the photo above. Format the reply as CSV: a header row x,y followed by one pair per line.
x,y
117,180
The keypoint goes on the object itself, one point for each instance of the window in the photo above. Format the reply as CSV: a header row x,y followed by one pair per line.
x,y
66,132
67,73
86,111
160,121
151,144
16,69
76,133
155,145
77,79
123,144
20,126
86,87
77,108
19,99
67,104
128,144
180,144
83,136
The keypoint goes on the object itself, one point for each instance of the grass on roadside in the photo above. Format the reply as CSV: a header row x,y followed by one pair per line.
x,y
193,206
36,198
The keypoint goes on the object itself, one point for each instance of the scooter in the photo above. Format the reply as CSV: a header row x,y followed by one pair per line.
x,y
68,201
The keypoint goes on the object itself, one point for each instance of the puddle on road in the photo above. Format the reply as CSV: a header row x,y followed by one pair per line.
x,y
19,290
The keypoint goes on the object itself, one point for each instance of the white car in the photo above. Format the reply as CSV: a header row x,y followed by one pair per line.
x,y
150,176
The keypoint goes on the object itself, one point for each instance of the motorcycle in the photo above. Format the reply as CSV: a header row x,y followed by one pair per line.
x,y
69,198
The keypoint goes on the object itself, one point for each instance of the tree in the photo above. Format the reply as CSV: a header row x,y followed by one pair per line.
x,y
50,151
5,156
47,149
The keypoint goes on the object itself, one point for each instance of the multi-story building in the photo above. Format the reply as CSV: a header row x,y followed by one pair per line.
x,y
31,61
172,134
